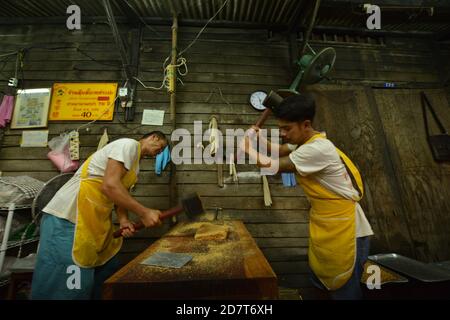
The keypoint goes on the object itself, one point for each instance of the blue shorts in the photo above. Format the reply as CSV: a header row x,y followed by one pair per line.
x,y
56,276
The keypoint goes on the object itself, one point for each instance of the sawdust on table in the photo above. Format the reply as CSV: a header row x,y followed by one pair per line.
x,y
385,274
211,232
189,229
219,259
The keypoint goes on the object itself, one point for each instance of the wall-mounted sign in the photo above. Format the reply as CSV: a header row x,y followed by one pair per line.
x,y
153,117
31,108
34,138
83,101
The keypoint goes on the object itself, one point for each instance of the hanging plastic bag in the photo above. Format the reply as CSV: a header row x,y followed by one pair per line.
x,y
6,108
60,155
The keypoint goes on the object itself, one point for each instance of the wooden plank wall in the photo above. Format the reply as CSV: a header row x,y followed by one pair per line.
x,y
424,184
402,61
225,66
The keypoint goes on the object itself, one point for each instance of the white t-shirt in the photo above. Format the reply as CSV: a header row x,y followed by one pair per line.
x,y
321,159
64,203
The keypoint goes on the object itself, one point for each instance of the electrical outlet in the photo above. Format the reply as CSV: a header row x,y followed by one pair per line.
x,y
13,82
123,92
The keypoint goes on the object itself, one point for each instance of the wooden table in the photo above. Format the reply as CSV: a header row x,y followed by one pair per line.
x,y
234,268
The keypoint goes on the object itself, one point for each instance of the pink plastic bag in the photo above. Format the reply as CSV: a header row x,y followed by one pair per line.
x,y
63,162
60,155
6,108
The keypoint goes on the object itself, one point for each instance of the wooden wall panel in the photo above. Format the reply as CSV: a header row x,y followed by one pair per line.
x,y
400,60
424,183
223,71
225,66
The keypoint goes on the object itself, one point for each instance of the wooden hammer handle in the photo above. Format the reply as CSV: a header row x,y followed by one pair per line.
x,y
171,212
263,117
165,214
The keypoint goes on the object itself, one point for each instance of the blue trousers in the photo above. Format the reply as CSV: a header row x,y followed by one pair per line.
x,y
56,276
352,289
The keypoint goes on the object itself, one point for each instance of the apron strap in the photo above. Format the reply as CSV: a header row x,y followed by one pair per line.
x,y
355,176
84,169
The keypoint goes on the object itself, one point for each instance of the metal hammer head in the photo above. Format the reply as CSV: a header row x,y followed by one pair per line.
x,y
192,205
274,99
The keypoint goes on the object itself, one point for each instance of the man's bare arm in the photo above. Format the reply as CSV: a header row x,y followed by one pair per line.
x,y
124,222
284,164
282,149
112,187
122,214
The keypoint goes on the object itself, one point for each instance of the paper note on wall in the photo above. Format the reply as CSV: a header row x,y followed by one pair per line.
x,y
34,138
153,117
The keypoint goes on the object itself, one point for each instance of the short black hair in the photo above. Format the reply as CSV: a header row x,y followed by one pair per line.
x,y
156,133
296,108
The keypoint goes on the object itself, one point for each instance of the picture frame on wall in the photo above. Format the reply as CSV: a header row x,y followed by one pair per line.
x,y
31,108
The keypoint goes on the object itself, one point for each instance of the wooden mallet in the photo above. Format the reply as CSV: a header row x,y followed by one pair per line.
x,y
191,205
272,101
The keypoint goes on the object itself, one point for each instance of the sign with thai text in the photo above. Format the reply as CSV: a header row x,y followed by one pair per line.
x,y
83,101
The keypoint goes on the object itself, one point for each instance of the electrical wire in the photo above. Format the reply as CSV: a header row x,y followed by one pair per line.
x,y
104,112
19,68
165,82
95,60
98,118
76,49
181,61
4,61
142,20
204,27
8,54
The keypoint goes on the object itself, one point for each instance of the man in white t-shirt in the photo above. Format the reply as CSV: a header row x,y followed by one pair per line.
x,y
339,230
76,234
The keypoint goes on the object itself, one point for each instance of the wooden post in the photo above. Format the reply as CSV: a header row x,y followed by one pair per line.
x,y
173,197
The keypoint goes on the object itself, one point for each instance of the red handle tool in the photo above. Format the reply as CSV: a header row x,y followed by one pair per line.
x,y
165,214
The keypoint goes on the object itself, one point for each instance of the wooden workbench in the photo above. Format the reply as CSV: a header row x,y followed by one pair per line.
x,y
234,268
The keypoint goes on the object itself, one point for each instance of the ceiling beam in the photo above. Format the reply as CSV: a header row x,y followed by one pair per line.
x,y
398,3
150,21
366,32
218,24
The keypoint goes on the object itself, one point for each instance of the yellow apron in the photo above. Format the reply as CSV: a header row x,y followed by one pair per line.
x,y
94,243
332,243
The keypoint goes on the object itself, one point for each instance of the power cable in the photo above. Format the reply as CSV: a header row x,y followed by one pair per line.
x,y
142,20
203,29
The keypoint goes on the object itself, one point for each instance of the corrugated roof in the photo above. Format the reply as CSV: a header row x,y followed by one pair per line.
x,y
332,13
260,11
